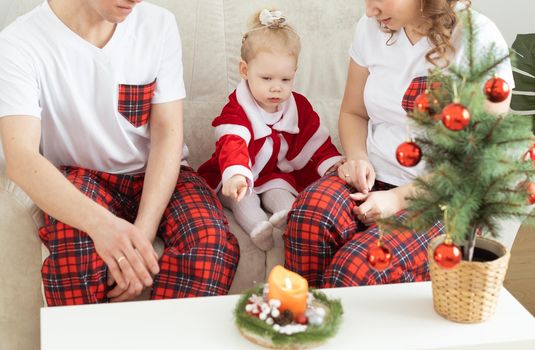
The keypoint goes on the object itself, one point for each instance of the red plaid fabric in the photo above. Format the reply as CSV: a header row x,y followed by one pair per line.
x,y
325,243
200,255
417,86
135,102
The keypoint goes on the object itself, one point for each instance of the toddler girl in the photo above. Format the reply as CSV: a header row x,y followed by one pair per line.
x,y
270,144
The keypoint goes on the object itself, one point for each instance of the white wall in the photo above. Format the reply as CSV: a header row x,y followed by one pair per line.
x,y
511,16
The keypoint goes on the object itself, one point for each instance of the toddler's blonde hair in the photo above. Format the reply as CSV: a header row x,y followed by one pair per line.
x,y
278,37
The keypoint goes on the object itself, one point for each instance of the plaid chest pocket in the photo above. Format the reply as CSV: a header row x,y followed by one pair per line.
x,y
135,102
416,87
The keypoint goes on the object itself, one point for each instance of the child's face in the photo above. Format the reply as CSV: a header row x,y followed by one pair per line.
x,y
270,77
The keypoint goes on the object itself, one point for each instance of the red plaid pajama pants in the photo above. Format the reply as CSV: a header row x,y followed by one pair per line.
x,y
200,255
325,243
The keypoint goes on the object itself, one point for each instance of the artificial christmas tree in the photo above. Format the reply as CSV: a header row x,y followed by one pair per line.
x,y
476,170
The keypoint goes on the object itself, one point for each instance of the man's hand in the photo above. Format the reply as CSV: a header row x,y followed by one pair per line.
x,y
235,187
129,256
123,294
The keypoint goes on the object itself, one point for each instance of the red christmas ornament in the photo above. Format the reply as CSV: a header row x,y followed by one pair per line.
x,y
532,152
531,193
455,116
379,257
496,89
425,103
408,154
447,255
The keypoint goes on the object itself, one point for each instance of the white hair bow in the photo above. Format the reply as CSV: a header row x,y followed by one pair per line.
x,y
271,18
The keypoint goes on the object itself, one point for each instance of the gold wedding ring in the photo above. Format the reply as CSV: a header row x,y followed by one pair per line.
x,y
121,258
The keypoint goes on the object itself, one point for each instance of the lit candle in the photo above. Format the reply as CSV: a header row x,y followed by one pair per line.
x,y
290,288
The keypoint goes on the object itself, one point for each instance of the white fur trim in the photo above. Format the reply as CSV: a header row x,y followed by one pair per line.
x,y
288,122
238,170
290,118
276,183
283,150
232,129
327,163
320,136
262,157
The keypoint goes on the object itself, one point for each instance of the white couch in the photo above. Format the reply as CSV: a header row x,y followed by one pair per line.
x,y
211,32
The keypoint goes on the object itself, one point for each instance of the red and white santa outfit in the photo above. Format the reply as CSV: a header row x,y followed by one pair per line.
x,y
287,149
278,153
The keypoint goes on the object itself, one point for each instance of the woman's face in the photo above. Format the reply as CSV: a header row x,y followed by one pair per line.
x,y
394,14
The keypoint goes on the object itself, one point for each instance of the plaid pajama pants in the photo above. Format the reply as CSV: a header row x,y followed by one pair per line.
x,y
325,243
200,255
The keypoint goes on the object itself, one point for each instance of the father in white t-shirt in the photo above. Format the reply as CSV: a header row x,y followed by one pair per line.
x,y
81,81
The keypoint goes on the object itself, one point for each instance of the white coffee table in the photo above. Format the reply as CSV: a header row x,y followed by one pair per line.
x,y
398,316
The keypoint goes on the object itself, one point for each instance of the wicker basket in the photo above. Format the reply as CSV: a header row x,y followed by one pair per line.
x,y
469,292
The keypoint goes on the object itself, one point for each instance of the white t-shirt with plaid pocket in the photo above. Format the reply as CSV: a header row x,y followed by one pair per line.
x,y
396,72
94,103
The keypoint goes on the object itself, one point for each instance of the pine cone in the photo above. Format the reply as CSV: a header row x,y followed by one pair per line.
x,y
286,317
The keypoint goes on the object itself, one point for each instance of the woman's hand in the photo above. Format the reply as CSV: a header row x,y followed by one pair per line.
x,y
359,174
376,205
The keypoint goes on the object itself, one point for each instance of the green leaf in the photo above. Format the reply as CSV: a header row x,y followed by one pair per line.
x,y
523,99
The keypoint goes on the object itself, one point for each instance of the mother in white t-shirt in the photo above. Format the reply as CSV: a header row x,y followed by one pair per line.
x,y
396,43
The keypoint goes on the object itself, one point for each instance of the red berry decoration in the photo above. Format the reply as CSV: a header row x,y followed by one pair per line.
x,y
447,255
379,257
531,193
408,154
301,319
496,89
425,103
455,116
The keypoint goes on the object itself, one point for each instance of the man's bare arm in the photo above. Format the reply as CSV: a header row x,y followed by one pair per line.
x,y
54,194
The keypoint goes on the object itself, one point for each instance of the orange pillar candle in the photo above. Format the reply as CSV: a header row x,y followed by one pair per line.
x,y
290,288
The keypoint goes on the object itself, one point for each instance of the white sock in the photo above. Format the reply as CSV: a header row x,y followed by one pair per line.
x,y
279,202
251,218
262,235
278,219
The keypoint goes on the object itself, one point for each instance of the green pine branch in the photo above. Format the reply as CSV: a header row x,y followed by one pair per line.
x,y
479,172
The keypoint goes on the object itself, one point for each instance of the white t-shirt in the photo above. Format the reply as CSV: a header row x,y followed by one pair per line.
x,y
49,72
392,68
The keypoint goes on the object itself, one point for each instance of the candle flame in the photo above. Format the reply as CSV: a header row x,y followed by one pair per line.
x,y
288,283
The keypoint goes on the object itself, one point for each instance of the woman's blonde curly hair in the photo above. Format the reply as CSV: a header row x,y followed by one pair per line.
x,y
440,17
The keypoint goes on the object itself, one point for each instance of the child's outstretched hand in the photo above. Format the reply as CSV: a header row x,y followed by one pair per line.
x,y
235,187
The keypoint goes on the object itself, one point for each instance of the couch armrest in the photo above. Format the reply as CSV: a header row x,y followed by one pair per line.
x,y
20,268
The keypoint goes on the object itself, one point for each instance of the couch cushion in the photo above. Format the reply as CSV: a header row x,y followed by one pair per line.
x,y
20,269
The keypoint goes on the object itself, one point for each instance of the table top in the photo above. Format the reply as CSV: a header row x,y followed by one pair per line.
x,y
395,316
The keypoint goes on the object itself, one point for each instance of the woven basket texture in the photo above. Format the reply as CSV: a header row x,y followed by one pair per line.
x,y
468,293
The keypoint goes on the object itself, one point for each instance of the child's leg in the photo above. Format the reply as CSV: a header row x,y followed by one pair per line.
x,y
251,218
279,202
